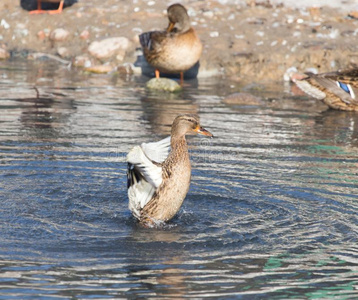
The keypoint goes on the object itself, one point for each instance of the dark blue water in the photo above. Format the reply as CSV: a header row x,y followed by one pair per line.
x,y
271,213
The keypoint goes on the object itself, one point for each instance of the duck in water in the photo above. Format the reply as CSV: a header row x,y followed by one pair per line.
x,y
159,173
339,90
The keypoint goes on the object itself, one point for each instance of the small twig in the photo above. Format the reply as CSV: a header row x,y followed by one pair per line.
x,y
54,57
37,92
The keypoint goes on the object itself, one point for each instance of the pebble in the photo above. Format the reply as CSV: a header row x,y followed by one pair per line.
x,y
163,84
120,55
125,69
4,54
84,35
41,35
82,61
108,47
289,73
100,69
63,52
4,24
242,99
353,14
59,35
208,14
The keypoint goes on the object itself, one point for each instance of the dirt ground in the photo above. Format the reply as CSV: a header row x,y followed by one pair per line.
x,y
247,41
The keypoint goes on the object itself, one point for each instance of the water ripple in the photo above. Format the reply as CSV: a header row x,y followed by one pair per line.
x,y
271,212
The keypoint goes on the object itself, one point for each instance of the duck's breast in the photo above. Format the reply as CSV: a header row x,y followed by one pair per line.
x,y
179,52
169,197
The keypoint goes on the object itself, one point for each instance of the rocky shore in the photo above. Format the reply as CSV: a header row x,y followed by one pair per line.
x,y
243,40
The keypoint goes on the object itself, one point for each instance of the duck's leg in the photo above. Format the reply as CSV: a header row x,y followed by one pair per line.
x,y
38,10
157,73
181,78
59,10
52,12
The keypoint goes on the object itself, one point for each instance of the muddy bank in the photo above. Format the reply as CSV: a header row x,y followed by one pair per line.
x,y
243,41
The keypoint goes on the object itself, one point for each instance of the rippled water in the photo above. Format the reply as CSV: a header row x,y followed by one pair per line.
x,y
271,213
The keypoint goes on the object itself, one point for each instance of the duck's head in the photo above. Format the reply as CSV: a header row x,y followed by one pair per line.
x,y
178,18
188,124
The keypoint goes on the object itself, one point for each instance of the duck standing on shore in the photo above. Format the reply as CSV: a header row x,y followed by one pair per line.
x,y
339,90
176,49
36,6
159,173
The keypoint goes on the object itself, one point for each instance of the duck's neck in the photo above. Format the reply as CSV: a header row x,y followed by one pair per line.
x,y
179,154
178,144
184,25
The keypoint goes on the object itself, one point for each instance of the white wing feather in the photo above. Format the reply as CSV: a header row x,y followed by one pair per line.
x,y
157,151
310,89
144,176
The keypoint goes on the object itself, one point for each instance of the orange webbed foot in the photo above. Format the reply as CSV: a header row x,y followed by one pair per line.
x,y
37,12
54,12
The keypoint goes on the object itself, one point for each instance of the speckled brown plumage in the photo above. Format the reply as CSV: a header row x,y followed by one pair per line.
x,y
339,90
176,49
175,172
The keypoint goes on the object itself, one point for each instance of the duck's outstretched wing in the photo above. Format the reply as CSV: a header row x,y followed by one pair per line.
x,y
157,151
144,173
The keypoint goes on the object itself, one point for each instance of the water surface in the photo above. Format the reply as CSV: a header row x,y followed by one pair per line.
x,y
271,212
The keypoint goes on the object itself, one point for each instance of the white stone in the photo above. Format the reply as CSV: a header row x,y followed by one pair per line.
x,y
108,47
63,52
59,34
214,34
208,14
4,54
4,24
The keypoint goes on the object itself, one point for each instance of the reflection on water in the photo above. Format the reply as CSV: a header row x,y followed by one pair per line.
x,y
271,213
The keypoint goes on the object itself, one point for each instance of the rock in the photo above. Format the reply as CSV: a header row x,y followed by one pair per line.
x,y
100,69
163,84
108,47
82,61
242,99
353,14
209,14
84,35
59,35
4,54
287,76
63,52
4,24
41,35
120,55
125,69
315,12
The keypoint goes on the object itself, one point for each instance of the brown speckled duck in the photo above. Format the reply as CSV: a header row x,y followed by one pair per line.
x,y
176,49
159,173
339,90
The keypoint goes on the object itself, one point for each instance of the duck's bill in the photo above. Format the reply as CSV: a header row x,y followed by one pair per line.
x,y
203,131
170,27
